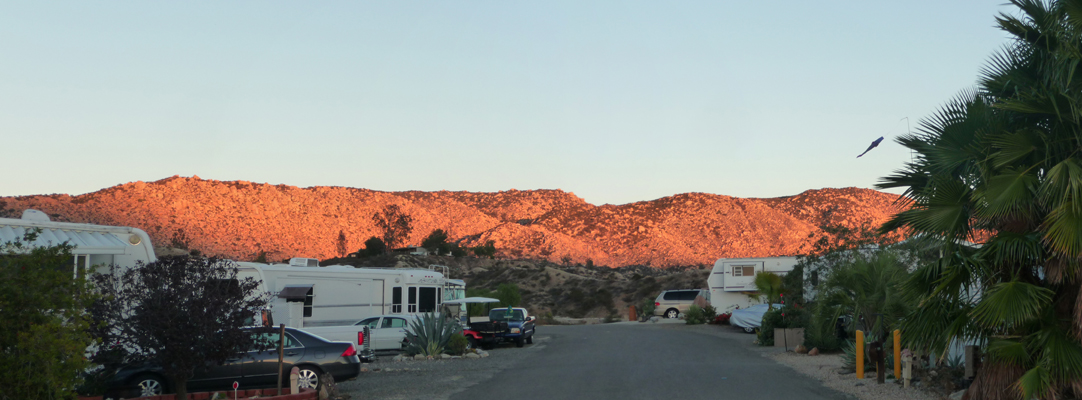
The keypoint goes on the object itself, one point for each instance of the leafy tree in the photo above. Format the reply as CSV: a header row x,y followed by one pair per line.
x,y
456,250
508,295
589,263
486,250
342,244
395,225
374,246
179,312
436,242
44,334
1001,165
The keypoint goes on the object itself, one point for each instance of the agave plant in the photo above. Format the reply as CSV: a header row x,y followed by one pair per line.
x,y
429,333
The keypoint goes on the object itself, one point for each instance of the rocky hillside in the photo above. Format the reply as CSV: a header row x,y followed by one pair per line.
x,y
564,290
240,219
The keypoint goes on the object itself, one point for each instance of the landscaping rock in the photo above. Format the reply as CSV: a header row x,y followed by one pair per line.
x,y
419,357
445,356
472,355
800,349
957,395
814,352
400,357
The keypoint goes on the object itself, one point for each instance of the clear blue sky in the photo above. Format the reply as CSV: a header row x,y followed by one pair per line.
x,y
614,101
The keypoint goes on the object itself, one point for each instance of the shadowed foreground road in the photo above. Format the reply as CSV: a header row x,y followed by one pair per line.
x,y
646,361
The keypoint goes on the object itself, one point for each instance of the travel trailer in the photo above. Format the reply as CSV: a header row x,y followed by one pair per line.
x,y
733,279
307,295
96,247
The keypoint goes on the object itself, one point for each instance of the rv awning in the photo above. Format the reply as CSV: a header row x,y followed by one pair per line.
x,y
294,292
85,242
471,300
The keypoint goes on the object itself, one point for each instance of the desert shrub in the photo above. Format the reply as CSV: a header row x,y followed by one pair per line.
x,y
456,345
849,355
648,307
710,313
695,316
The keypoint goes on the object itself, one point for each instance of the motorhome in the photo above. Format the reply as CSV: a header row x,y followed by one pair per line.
x,y
95,247
308,295
732,281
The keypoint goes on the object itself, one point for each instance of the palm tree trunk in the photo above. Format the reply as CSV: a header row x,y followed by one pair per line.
x,y
995,381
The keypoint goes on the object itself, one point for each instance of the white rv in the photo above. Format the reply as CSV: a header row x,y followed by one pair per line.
x,y
95,246
733,279
307,295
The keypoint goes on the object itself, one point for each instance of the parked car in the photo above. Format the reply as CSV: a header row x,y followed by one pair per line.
x,y
312,354
388,331
750,318
520,325
672,303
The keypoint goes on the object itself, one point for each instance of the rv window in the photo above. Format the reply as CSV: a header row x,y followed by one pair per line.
x,y
413,300
439,296
308,302
396,300
428,299
814,278
743,270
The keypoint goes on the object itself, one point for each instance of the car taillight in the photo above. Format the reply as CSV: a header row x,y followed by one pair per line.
x,y
349,352
657,304
360,338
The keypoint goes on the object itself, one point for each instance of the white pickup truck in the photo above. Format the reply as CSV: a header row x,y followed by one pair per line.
x,y
387,331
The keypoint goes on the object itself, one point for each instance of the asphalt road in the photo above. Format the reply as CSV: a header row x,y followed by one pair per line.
x,y
645,361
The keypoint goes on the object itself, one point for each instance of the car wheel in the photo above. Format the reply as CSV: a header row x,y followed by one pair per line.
x,y
672,313
529,340
149,385
520,341
749,330
308,378
471,343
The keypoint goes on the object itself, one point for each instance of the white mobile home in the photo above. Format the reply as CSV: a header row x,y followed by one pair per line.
x,y
733,279
309,295
95,246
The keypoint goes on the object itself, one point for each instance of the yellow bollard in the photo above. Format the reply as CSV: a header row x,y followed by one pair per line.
x,y
860,354
897,354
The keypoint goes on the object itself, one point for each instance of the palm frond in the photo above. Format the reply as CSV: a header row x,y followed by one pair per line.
x,y
1062,231
1011,304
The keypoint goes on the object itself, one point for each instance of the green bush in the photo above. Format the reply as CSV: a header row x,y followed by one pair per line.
x,y
648,308
44,336
456,345
710,313
695,316
782,318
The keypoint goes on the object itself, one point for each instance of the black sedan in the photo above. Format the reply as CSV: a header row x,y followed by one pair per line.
x,y
255,369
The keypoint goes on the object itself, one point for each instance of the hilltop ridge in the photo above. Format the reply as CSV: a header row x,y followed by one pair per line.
x,y
239,219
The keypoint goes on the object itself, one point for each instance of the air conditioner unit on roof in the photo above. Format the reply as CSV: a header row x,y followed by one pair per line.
x,y
303,262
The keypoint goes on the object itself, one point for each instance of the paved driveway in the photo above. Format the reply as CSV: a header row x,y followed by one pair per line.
x,y
647,361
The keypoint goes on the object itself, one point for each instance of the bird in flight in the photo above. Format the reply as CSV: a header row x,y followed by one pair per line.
x,y
874,144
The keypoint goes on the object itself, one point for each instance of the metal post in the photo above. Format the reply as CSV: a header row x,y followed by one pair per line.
x,y
281,347
897,354
860,354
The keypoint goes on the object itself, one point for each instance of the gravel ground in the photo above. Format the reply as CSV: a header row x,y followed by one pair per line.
x,y
825,369
433,379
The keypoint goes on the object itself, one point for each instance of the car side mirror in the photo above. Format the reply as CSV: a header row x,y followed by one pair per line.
x,y
531,318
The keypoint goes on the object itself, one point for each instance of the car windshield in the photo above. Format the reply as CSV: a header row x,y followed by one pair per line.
x,y
501,314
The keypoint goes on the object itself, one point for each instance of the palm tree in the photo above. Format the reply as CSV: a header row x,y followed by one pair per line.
x,y
769,286
1002,165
